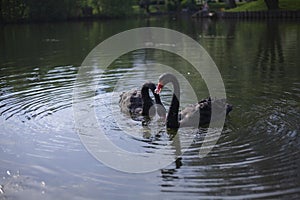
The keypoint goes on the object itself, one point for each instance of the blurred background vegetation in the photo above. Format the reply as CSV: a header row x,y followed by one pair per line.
x,y
55,10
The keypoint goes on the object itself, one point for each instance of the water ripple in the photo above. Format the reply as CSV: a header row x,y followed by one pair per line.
x,y
256,155
36,98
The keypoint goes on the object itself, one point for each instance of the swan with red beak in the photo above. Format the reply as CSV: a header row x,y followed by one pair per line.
x,y
195,115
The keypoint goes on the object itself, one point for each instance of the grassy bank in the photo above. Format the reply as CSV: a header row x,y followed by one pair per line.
x,y
260,5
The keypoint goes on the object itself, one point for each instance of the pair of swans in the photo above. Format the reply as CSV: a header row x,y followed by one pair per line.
x,y
138,103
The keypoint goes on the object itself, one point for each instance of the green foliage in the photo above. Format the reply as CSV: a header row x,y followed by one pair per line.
x,y
251,6
190,5
174,5
10,10
42,10
289,4
260,5
51,9
219,5
97,5
113,8
38,10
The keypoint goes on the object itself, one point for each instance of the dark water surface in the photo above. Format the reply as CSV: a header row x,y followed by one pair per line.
x,y
256,156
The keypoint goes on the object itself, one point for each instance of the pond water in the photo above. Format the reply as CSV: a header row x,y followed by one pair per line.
x,y
256,156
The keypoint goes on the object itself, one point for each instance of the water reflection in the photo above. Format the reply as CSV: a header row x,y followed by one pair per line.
x,y
270,55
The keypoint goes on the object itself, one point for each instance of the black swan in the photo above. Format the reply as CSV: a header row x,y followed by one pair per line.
x,y
188,115
137,103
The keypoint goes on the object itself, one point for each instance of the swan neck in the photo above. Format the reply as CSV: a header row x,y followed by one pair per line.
x,y
172,118
176,89
146,100
145,93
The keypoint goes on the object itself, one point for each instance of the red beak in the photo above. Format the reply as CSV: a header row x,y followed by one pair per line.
x,y
158,88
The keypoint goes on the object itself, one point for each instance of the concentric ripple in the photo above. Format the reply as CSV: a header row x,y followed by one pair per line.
x,y
36,95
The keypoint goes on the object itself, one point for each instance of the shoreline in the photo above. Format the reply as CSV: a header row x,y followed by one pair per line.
x,y
260,15
274,14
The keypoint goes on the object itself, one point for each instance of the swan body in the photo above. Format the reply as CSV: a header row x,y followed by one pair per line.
x,y
139,103
200,111
203,110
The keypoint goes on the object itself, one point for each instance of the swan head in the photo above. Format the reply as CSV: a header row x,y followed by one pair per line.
x,y
149,85
158,88
163,80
